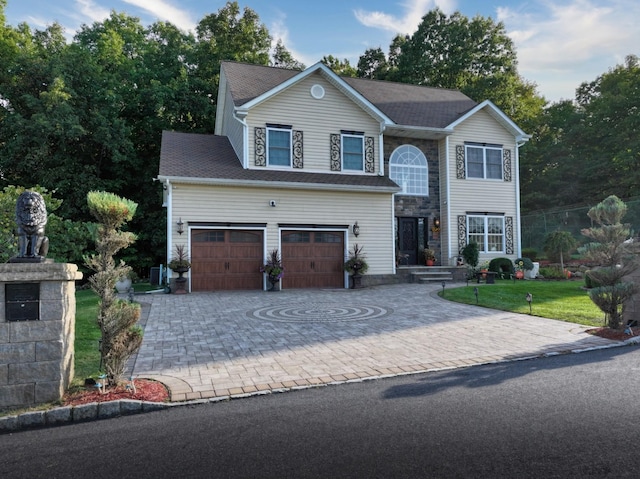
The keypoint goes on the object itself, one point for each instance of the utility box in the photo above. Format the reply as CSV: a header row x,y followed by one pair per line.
x,y
22,301
154,276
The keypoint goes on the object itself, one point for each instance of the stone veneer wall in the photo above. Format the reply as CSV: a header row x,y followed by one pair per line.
x,y
419,206
631,308
36,357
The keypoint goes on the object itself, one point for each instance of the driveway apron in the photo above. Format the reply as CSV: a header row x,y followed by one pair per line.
x,y
220,344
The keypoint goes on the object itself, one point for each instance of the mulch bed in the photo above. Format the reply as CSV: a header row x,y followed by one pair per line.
x,y
613,334
146,390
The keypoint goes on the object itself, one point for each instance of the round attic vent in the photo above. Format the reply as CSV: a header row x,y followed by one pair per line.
x,y
317,92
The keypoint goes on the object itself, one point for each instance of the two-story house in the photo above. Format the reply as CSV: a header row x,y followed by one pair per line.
x,y
311,163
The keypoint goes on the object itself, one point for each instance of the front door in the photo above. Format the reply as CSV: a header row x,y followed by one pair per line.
x,y
408,241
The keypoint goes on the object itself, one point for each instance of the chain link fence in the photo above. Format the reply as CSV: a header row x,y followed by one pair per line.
x,y
536,226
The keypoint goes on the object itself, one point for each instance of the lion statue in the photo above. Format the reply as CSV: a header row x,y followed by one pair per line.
x,y
31,217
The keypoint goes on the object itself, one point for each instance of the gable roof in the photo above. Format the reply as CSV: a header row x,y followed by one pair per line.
x,y
400,104
210,159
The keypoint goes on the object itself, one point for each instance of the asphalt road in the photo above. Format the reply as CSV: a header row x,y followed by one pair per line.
x,y
565,416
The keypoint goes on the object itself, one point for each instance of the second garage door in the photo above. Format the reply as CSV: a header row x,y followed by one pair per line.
x,y
313,259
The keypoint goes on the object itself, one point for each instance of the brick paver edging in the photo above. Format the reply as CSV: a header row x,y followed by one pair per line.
x,y
180,397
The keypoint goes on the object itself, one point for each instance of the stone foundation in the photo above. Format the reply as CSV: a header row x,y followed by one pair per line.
x,y
36,356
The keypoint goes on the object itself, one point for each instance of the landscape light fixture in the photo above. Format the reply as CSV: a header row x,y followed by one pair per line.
x,y
529,298
475,291
443,285
180,226
356,229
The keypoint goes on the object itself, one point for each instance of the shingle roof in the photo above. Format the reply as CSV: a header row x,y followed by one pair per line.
x,y
201,156
405,104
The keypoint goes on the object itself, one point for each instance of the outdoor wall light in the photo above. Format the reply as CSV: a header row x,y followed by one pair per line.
x,y
436,225
356,229
180,226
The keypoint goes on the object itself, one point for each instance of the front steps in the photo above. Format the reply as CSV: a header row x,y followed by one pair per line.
x,y
428,274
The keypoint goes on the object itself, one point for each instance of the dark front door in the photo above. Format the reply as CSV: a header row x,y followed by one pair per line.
x,y
408,240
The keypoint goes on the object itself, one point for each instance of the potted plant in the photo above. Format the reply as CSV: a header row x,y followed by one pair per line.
x,y
273,269
522,265
123,285
356,265
180,264
429,256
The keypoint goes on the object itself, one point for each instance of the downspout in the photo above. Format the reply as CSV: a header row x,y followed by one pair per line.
x,y
447,201
168,187
245,138
519,143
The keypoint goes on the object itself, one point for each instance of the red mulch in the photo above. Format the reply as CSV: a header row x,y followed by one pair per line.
x,y
146,390
614,334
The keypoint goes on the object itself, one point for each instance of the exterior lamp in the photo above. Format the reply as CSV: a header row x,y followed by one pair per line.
x,y
356,229
443,285
475,291
180,226
529,298
436,225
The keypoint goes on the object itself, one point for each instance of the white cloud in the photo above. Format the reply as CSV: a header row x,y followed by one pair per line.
x,y
561,46
414,10
91,11
166,12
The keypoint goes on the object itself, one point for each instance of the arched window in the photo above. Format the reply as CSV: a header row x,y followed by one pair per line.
x,y
408,167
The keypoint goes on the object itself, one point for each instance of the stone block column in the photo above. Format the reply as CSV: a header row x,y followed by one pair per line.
x,y
36,355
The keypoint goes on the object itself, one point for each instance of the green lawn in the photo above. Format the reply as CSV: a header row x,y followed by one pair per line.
x,y
563,300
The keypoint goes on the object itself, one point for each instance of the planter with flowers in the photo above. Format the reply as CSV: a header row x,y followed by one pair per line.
x,y
429,257
356,265
180,264
273,269
522,265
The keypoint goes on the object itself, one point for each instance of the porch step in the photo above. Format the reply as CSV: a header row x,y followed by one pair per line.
x,y
432,273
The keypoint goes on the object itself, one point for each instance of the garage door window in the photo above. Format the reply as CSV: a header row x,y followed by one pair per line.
x,y
299,237
244,237
209,237
328,238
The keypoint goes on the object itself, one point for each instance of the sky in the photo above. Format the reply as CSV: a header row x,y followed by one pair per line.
x,y
559,43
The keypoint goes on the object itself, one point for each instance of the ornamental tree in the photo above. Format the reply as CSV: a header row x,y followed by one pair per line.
x,y
611,249
117,319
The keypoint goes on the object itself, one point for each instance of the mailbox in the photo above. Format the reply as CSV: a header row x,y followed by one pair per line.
x,y
22,301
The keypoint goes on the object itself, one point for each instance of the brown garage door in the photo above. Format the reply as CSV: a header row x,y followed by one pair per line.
x,y
226,259
313,259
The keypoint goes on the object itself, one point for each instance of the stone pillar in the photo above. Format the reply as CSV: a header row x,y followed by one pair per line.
x,y
36,355
631,308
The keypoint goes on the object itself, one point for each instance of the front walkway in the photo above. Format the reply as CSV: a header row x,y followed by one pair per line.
x,y
220,344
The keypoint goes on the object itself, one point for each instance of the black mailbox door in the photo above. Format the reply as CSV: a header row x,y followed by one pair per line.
x,y
22,301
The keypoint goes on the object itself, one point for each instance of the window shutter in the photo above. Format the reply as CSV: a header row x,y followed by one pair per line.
x,y
369,157
335,152
461,173
462,232
297,149
506,163
508,235
260,144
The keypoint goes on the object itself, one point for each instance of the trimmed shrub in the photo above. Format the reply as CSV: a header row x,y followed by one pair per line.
x,y
502,266
530,253
527,264
589,282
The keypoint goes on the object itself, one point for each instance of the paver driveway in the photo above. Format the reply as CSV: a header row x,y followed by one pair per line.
x,y
205,345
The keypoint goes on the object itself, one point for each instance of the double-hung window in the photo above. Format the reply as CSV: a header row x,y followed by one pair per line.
x,y
484,161
278,146
352,151
488,232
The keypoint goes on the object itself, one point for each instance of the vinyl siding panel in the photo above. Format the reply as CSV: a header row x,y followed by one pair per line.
x,y
447,227
316,118
373,212
232,128
481,195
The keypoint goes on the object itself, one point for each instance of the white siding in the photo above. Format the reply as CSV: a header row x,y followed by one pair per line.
x,y
233,129
196,203
316,118
482,195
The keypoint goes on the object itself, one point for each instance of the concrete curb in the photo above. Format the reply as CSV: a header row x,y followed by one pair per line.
x,y
124,407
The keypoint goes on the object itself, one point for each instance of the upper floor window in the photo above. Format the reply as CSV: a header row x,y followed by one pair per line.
x,y
278,146
488,232
484,161
408,168
353,151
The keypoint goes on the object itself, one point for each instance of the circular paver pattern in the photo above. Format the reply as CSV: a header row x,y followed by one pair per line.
x,y
318,313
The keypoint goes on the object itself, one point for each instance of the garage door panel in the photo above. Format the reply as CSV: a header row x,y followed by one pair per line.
x,y
226,260
313,259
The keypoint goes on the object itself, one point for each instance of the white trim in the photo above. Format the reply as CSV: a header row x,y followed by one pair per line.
x,y
332,78
415,154
359,137
486,232
268,146
497,114
516,172
447,203
169,187
245,139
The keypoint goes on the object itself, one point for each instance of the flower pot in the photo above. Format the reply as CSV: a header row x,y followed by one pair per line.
x,y
123,285
519,274
429,262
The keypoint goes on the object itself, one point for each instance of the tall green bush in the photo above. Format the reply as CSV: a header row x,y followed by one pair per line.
x,y
613,253
117,319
